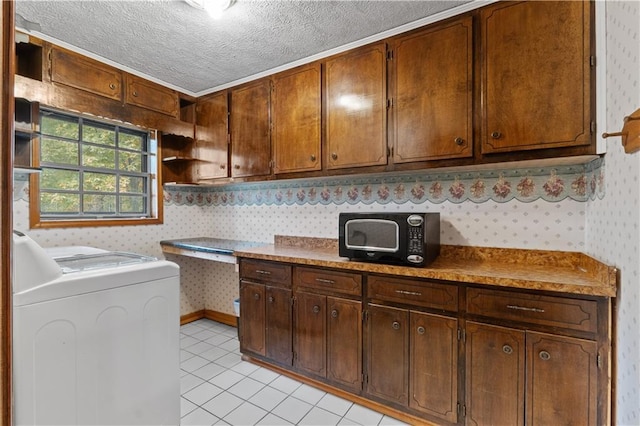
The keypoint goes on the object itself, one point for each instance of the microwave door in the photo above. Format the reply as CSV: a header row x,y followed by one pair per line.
x,y
372,235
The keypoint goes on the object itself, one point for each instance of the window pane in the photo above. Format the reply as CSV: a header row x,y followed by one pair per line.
x,y
59,151
94,156
130,141
99,203
60,179
131,162
98,135
132,184
99,182
66,127
54,202
132,204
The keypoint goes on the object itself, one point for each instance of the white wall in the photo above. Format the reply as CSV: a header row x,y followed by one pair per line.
x,y
613,224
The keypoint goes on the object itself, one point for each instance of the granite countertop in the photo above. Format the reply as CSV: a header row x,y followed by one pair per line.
x,y
556,271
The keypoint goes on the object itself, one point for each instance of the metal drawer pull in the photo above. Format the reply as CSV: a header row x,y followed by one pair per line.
x,y
256,296
395,325
421,330
411,293
334,313
524,308
271,299
325,281
316,309
545,356
260,271
507,349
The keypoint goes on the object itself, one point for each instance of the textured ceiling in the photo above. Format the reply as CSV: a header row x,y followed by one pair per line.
x,y
181,46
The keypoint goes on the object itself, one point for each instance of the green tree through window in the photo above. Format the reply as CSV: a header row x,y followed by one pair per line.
x,y
93,169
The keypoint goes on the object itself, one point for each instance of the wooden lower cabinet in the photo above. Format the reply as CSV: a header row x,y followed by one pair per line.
x,y
327,338
412,360
524,377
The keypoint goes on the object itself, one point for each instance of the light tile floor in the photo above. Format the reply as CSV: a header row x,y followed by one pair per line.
x,y
219,388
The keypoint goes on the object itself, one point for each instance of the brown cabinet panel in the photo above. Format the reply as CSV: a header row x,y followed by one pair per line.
x,y
278,325
83,73
327,281
356,95
561,380
252,324
212,147
433,93
536,75
149,95
495,375
388,354
250,130
344,342
414,292
310,336
271,272
433,372
575,314
296,120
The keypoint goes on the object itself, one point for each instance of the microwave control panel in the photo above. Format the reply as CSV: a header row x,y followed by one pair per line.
x,y
415,243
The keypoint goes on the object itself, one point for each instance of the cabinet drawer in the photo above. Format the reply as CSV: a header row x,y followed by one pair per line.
x,y
409,292
85,74
274,273
327,281
149,95
553,311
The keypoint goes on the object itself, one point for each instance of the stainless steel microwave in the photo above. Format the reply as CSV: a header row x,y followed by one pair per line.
x,y
399,238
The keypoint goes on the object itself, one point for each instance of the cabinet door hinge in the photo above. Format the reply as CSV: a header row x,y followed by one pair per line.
x,y
462,410
593,127
462,335
228,138
389,55
599,361
365,378
365,316
592,61
389,103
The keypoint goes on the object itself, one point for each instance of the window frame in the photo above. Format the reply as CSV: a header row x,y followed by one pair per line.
x,y
154,196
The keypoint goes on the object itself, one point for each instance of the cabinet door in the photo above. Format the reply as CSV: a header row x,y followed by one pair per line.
x,y
561,380
278,325
433,374
356,95
344,342
212,146
495,375
296,120
149,95
536,75
252,323
388,353
433,83
250,133
310,334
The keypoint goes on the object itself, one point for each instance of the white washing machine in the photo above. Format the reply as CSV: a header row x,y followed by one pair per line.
x,y
95,337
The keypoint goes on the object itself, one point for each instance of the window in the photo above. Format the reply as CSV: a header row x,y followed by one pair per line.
x,y
94,172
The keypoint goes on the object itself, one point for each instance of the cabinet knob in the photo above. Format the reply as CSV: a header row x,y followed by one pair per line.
x,y
421,330
316,309
237,166
312,158
223,166
334,156
334,313
135,93
545,356
496,135
459,141
271,299
507,349
395,325
256,296
112,86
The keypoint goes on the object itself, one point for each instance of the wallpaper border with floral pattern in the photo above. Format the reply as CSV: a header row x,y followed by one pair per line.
x,y
579,182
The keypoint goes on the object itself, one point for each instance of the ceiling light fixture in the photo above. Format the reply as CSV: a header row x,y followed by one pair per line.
x,y
214,8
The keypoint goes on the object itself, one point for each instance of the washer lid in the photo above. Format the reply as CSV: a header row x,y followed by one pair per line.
x,y
112,259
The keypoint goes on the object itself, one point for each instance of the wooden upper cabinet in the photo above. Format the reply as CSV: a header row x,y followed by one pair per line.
x,y
296,106
149,95
432,86
250,130
536,75
212,147
356,96
82,73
